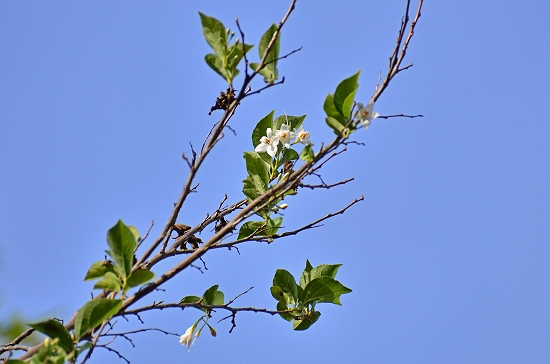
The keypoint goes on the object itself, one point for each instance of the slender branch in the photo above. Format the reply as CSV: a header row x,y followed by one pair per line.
x,y
146,234
324,185
400,116
17,340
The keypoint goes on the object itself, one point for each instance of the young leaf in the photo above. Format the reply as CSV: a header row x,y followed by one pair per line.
x,y
335,125
324,289
305,278
304,324
307,154
210,295
261,128
138,277
219,298
190,299
235,55
94,313
269,70
109,282
214,33
284,280
99,268
122,244
55,330
345,95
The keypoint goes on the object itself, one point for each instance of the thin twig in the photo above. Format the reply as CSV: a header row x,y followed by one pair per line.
x,y
400,116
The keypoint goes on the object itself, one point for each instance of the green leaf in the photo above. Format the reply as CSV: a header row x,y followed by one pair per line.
x,y
82,348
293,122
304,324
217,65
284,280
344,95
135,232
219,299
215,34
99,268
289,154
325,270
15,361
338,128
257,170
274,225
190,299
279,295
55,330
235,55
93,313
304,278
109,282
138,277
324,289
307,154
249,188
210,295
331,110
269,70
250,229
261,128
283,307
122,244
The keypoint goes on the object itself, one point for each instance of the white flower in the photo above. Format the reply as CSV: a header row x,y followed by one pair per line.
x,y
302,136
268,143
186,339
366,113
285,135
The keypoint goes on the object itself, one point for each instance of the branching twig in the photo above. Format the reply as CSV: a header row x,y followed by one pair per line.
x,y
400,49
311,225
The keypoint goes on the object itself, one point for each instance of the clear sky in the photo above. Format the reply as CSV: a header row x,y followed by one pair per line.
x,y
448,256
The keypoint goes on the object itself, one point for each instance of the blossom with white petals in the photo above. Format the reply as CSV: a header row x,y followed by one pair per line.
x,y
268,143
285,135
302,136
187,338
366,113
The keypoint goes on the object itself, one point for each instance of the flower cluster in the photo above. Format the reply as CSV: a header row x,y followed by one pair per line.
x,y
269,142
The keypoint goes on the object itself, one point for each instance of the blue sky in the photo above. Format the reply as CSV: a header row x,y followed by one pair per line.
x,y
448,256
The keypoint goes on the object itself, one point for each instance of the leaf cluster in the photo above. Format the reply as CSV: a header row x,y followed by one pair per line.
x,y
116,275
227,54
298,301
338,106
